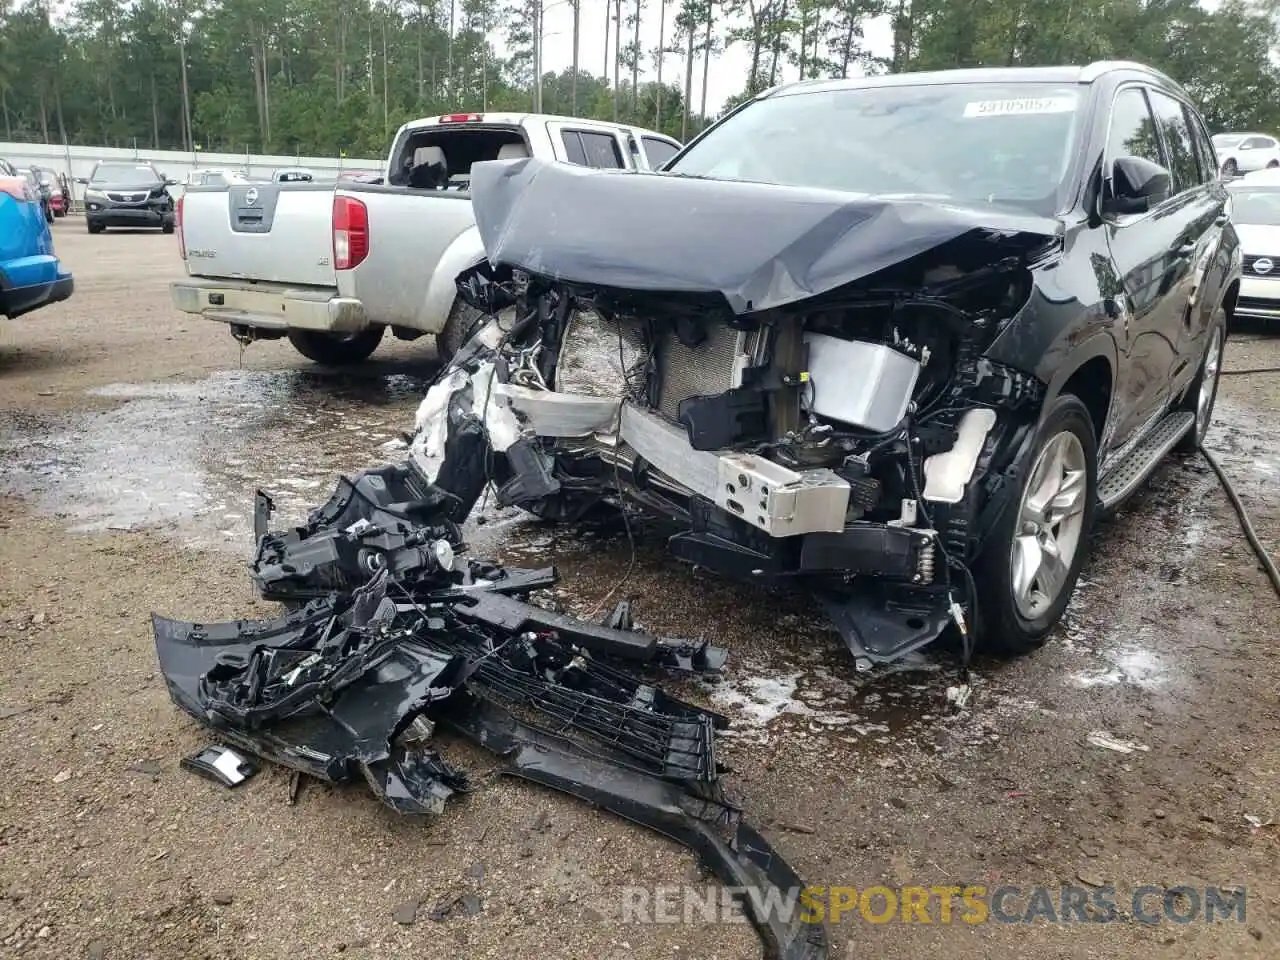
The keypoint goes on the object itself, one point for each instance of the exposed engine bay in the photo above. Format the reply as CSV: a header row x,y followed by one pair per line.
x,y
856,439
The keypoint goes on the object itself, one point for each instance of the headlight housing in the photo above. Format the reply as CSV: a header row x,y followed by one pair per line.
x,y
95,195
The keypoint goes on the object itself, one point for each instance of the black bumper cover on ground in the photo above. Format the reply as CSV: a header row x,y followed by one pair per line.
x,y
352,683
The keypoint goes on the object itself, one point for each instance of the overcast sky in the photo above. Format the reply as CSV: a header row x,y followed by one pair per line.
x,y
728,70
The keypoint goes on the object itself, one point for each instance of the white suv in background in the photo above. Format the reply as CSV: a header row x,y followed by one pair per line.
x,y
1240,153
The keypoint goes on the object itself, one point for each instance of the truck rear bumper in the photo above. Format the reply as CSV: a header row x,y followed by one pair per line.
x,y
269,306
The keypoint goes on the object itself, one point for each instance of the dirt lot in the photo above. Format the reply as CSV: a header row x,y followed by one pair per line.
x,y
132,439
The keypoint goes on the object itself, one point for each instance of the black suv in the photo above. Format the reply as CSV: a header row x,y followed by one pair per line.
x,y
898,339
128,193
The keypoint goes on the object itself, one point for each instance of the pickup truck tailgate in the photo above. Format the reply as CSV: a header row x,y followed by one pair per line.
x,y
274,232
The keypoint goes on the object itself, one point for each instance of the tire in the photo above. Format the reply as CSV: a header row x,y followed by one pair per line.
x,y
94,227
464,320
335,349
168,228
1205,385
1017,611
1273,164
1230,168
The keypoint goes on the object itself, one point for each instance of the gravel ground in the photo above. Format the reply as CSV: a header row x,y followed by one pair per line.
x,y
132,439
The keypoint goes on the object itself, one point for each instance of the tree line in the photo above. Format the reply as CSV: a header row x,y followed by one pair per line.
x,y
324,76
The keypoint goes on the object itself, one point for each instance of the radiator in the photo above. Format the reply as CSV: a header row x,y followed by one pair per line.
x,y
704,370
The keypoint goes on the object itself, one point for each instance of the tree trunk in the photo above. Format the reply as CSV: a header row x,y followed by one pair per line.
x,y
421,76
266,92
188,135
757,45
57,106
617,57
706,57
340,60
635,67
4,104
688,81
44,115
386,110
257,90
573,81
155,116
804,43
662,55
448,70
777,43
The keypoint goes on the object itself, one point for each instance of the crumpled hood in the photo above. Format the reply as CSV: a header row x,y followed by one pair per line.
x,y
759,245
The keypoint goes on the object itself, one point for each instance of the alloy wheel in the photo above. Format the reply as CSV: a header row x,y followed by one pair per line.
x,y
1050,524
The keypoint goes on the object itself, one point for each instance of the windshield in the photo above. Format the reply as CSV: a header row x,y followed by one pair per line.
x,y
1005,143
124,173
1257,206
1224,140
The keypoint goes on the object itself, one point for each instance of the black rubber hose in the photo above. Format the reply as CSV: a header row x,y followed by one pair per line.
x,y
1245,523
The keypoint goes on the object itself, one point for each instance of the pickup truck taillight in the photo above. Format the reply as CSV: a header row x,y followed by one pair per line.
x,y
182,237
350,232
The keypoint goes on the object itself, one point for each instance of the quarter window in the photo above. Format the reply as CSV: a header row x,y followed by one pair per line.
x,y
659,151
1177,140
573,147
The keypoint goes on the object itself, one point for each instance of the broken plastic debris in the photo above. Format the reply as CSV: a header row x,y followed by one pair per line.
x,y
220,764
959,695
1100,738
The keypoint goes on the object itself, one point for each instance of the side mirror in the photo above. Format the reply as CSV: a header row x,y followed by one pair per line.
x,y
82,179
170,182
1245,146
1137,185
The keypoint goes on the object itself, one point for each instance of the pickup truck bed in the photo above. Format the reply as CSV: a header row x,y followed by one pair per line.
x,y
333,266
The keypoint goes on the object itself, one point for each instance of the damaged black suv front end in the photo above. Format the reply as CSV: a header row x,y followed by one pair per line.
x,y
797,377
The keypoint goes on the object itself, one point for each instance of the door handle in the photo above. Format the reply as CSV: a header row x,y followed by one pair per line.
x,y
1186,250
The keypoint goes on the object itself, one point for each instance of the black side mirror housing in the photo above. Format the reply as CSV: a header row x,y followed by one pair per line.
x,y
1137,185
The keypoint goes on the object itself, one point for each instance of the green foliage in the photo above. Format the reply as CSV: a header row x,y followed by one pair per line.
x,y
319,76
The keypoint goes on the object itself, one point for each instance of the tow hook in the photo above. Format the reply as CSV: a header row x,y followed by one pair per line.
x,y
243,335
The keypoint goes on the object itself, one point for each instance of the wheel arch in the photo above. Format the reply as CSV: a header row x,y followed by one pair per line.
x,y
1089,374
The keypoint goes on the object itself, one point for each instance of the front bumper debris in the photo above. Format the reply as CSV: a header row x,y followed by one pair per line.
x,y
393,636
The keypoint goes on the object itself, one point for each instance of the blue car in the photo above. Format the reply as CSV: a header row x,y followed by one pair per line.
x,y
30,275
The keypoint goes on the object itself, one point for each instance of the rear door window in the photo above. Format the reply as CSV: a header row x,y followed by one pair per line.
x,y
1258,143
1177,140
602,150
1203,146
591,148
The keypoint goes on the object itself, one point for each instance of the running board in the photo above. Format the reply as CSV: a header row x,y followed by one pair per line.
x,y
1127,474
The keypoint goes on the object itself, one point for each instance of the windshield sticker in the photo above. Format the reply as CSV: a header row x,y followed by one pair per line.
x,y
1025,105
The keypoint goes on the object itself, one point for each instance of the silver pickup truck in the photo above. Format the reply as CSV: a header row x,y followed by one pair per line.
x,y
332,267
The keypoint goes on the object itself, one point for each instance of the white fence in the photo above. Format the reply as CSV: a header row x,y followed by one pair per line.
x,y
79,161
